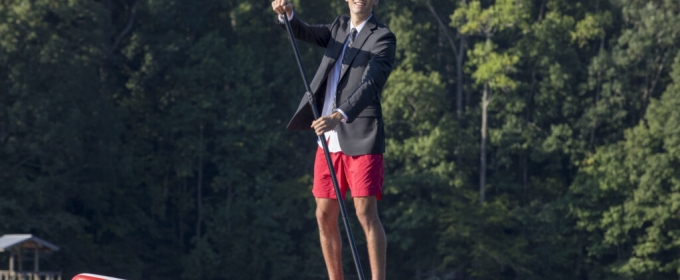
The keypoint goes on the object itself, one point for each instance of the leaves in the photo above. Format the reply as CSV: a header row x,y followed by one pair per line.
x,y
146,138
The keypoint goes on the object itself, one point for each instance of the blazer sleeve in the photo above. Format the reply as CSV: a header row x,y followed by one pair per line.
x,y
374,78
319,34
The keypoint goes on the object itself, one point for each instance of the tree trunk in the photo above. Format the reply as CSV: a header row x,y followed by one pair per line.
x,y
458,54
199,186
482,151
541,11
598,86
529,101
230,200
459,77
459,74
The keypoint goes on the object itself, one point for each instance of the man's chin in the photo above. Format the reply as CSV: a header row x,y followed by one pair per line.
x,y
362,11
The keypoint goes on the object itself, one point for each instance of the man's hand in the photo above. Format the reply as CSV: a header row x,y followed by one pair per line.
x,y
327,123
280,6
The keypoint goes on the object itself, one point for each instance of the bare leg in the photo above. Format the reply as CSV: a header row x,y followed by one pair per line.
x,y
367,213
327,216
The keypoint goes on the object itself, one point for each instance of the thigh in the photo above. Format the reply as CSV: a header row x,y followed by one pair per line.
x,y
365,175
323,183
366,206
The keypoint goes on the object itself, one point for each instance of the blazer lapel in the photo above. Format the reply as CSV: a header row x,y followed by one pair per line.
x,y
358,43
334,53
341,36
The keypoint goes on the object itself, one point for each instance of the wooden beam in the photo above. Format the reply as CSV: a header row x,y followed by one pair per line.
x,y
36,260
21,260
11,260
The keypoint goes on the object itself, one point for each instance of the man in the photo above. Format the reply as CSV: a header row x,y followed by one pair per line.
x,y
347,86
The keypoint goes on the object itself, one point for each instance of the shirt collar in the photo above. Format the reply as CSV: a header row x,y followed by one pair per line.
x,y
361,26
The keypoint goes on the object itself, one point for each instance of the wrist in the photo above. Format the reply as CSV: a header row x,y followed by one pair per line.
x,y
338,116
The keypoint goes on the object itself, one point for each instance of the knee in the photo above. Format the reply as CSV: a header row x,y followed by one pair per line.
x,y
367,216
325,216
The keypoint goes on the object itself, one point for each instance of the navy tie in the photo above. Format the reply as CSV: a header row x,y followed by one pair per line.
x,y
345,57
352,36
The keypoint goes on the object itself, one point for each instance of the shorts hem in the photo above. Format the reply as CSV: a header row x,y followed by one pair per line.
x,y
378,196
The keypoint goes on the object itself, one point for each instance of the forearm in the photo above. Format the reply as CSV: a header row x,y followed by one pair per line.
x,y
315,34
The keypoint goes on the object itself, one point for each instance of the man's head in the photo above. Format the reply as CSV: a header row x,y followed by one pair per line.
x,y
361,9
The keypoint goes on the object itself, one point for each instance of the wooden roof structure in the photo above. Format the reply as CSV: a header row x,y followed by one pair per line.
x,y
10,242
18,245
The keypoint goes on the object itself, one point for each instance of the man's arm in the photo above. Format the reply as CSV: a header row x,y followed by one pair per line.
x,y
315,34
375,76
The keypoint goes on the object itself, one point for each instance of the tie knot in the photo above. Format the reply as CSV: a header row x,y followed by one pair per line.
x,y
352,35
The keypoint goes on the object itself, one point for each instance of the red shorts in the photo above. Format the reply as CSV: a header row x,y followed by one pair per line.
x,y
362,175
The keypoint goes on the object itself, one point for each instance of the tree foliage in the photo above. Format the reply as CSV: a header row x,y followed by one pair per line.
x,y
525,139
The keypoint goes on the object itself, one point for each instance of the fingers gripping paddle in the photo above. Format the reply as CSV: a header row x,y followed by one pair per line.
x,y
324,145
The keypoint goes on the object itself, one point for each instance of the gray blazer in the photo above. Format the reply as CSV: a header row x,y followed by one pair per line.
x,y
371,60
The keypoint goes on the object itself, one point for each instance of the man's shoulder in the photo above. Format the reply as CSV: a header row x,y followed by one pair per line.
x,y
341,20
379,25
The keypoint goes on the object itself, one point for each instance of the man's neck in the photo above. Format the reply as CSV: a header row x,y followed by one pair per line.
x,y
359,19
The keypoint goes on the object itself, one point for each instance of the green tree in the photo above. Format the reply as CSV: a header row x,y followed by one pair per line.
x,y
638,179
490,67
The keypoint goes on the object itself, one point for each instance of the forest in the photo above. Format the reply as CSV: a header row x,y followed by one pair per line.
x,y
526,139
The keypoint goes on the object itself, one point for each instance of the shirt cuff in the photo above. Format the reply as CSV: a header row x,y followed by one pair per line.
x,y
289,18
344,119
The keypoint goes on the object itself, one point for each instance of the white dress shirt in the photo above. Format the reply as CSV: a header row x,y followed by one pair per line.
x,y
331,89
